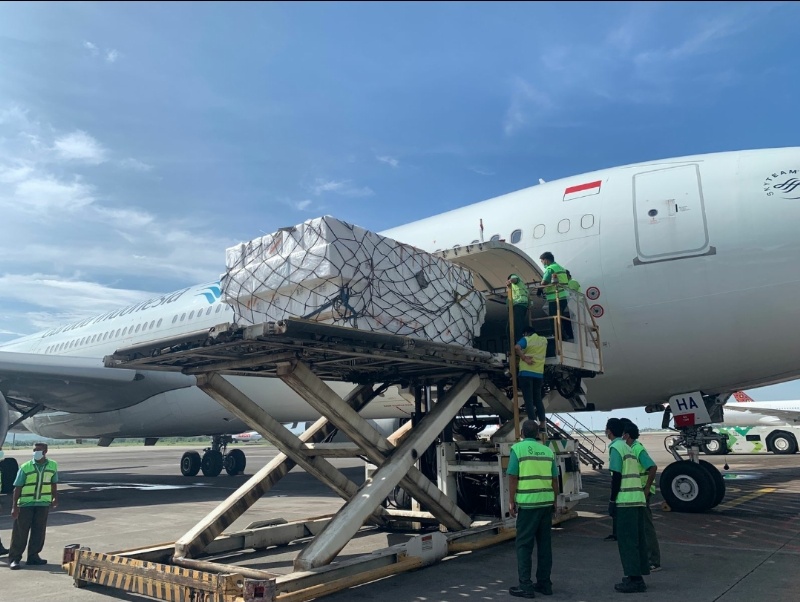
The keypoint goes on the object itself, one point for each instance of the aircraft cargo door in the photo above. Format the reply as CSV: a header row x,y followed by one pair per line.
x,y
669,214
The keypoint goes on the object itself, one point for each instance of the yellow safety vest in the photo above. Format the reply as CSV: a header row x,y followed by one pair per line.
x,y
630,493
637,449
535,485
519,292
38,484
536,347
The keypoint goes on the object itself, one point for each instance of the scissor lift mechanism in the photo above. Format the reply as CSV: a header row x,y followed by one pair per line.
x,y
304,355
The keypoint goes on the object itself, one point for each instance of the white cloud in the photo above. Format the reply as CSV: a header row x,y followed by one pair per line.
x,y
92,48
481,171
112,56
527,104
135,165
80,146
388,160
44,194
303,205
340,187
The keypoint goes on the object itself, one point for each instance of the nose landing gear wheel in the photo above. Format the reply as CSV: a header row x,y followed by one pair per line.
x,y
688,487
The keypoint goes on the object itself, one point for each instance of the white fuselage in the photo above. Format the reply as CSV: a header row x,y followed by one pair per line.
x,y
693,261
747,414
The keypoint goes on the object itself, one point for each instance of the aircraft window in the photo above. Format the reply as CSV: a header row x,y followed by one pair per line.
x,y
516,236
191,315
563,226
208,311
183,317
538,231
158,324
144,326
47,349
138,326
117,335
153,323
456,248
219,307
124,331
71,343
497,237
83,340
174,318
587,221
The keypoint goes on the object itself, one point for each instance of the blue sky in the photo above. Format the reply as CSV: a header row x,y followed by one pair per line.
x,y
138,141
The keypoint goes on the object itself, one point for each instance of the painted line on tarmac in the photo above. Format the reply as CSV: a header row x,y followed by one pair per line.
x,y
747,498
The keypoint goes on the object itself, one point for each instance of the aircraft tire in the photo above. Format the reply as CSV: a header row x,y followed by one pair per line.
x,y
211,464
9,468
235,461
719,482
714,448
688,487
190,464
781,442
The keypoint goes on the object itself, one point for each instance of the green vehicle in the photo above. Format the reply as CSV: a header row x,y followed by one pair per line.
x,y
756,440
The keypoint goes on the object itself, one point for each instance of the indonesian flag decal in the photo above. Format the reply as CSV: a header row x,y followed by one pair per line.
x,y
582,190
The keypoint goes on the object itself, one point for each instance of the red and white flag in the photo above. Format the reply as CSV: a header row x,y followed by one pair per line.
x,y
582,190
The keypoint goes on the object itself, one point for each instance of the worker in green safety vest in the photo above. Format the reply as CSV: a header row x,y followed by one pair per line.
x,y
3,550
647,474
519,301
627,504
533,491
35,492
555,283
572,284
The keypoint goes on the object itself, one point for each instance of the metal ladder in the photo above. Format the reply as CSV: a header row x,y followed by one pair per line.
x,y
590,447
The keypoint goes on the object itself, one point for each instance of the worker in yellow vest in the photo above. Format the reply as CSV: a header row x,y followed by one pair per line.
x,y
3,551
627,504
531,350
533,491
35,492
555,283
647,474
572,284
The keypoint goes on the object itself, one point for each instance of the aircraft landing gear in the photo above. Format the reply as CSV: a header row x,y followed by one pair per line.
x,y
693,485
214,459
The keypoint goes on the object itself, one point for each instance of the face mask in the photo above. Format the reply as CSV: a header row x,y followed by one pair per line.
x,y
38,455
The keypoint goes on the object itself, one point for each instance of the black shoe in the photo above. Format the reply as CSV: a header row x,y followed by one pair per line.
x,y
14,565
543,588
611,537
3,551
630,587
518,592
35,561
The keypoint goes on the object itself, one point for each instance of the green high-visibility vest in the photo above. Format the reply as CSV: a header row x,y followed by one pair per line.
x,y
574,285
561,277
637,449
535,484
630,493
519,291
38,483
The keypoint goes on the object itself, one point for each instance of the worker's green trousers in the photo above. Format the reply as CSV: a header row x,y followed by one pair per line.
x,y
534,528
632,542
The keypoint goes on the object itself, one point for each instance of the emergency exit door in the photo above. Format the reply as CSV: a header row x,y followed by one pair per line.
x,y
669,214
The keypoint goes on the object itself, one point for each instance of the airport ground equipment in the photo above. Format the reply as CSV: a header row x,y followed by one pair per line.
x,y
462,502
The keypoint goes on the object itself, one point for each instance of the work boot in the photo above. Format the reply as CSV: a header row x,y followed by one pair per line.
x,y
3,551
519,592
35,561
543,588
14,566
628,586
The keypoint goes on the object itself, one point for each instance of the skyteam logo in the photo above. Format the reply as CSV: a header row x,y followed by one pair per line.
x,y
784,184
212,292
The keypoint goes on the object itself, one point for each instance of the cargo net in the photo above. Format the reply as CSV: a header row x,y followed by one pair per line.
x,y
333,272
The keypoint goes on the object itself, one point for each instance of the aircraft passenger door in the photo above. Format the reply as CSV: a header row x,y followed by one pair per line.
x,y
669,214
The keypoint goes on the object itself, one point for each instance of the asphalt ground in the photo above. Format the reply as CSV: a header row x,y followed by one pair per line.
x,y
116,498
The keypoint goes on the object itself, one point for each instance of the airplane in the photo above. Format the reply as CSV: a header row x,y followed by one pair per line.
x,y
248,437
666,251
761,413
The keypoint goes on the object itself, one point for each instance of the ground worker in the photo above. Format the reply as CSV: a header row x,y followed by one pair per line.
x,y
533,490
627,504
555,281
3,551
572,284
531,350
647,474
520,301
35,492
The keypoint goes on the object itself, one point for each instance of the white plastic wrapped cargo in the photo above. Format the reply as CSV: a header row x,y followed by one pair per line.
x,y
331,271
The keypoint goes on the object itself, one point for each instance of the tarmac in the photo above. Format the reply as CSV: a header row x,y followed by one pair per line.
x,y
746,549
